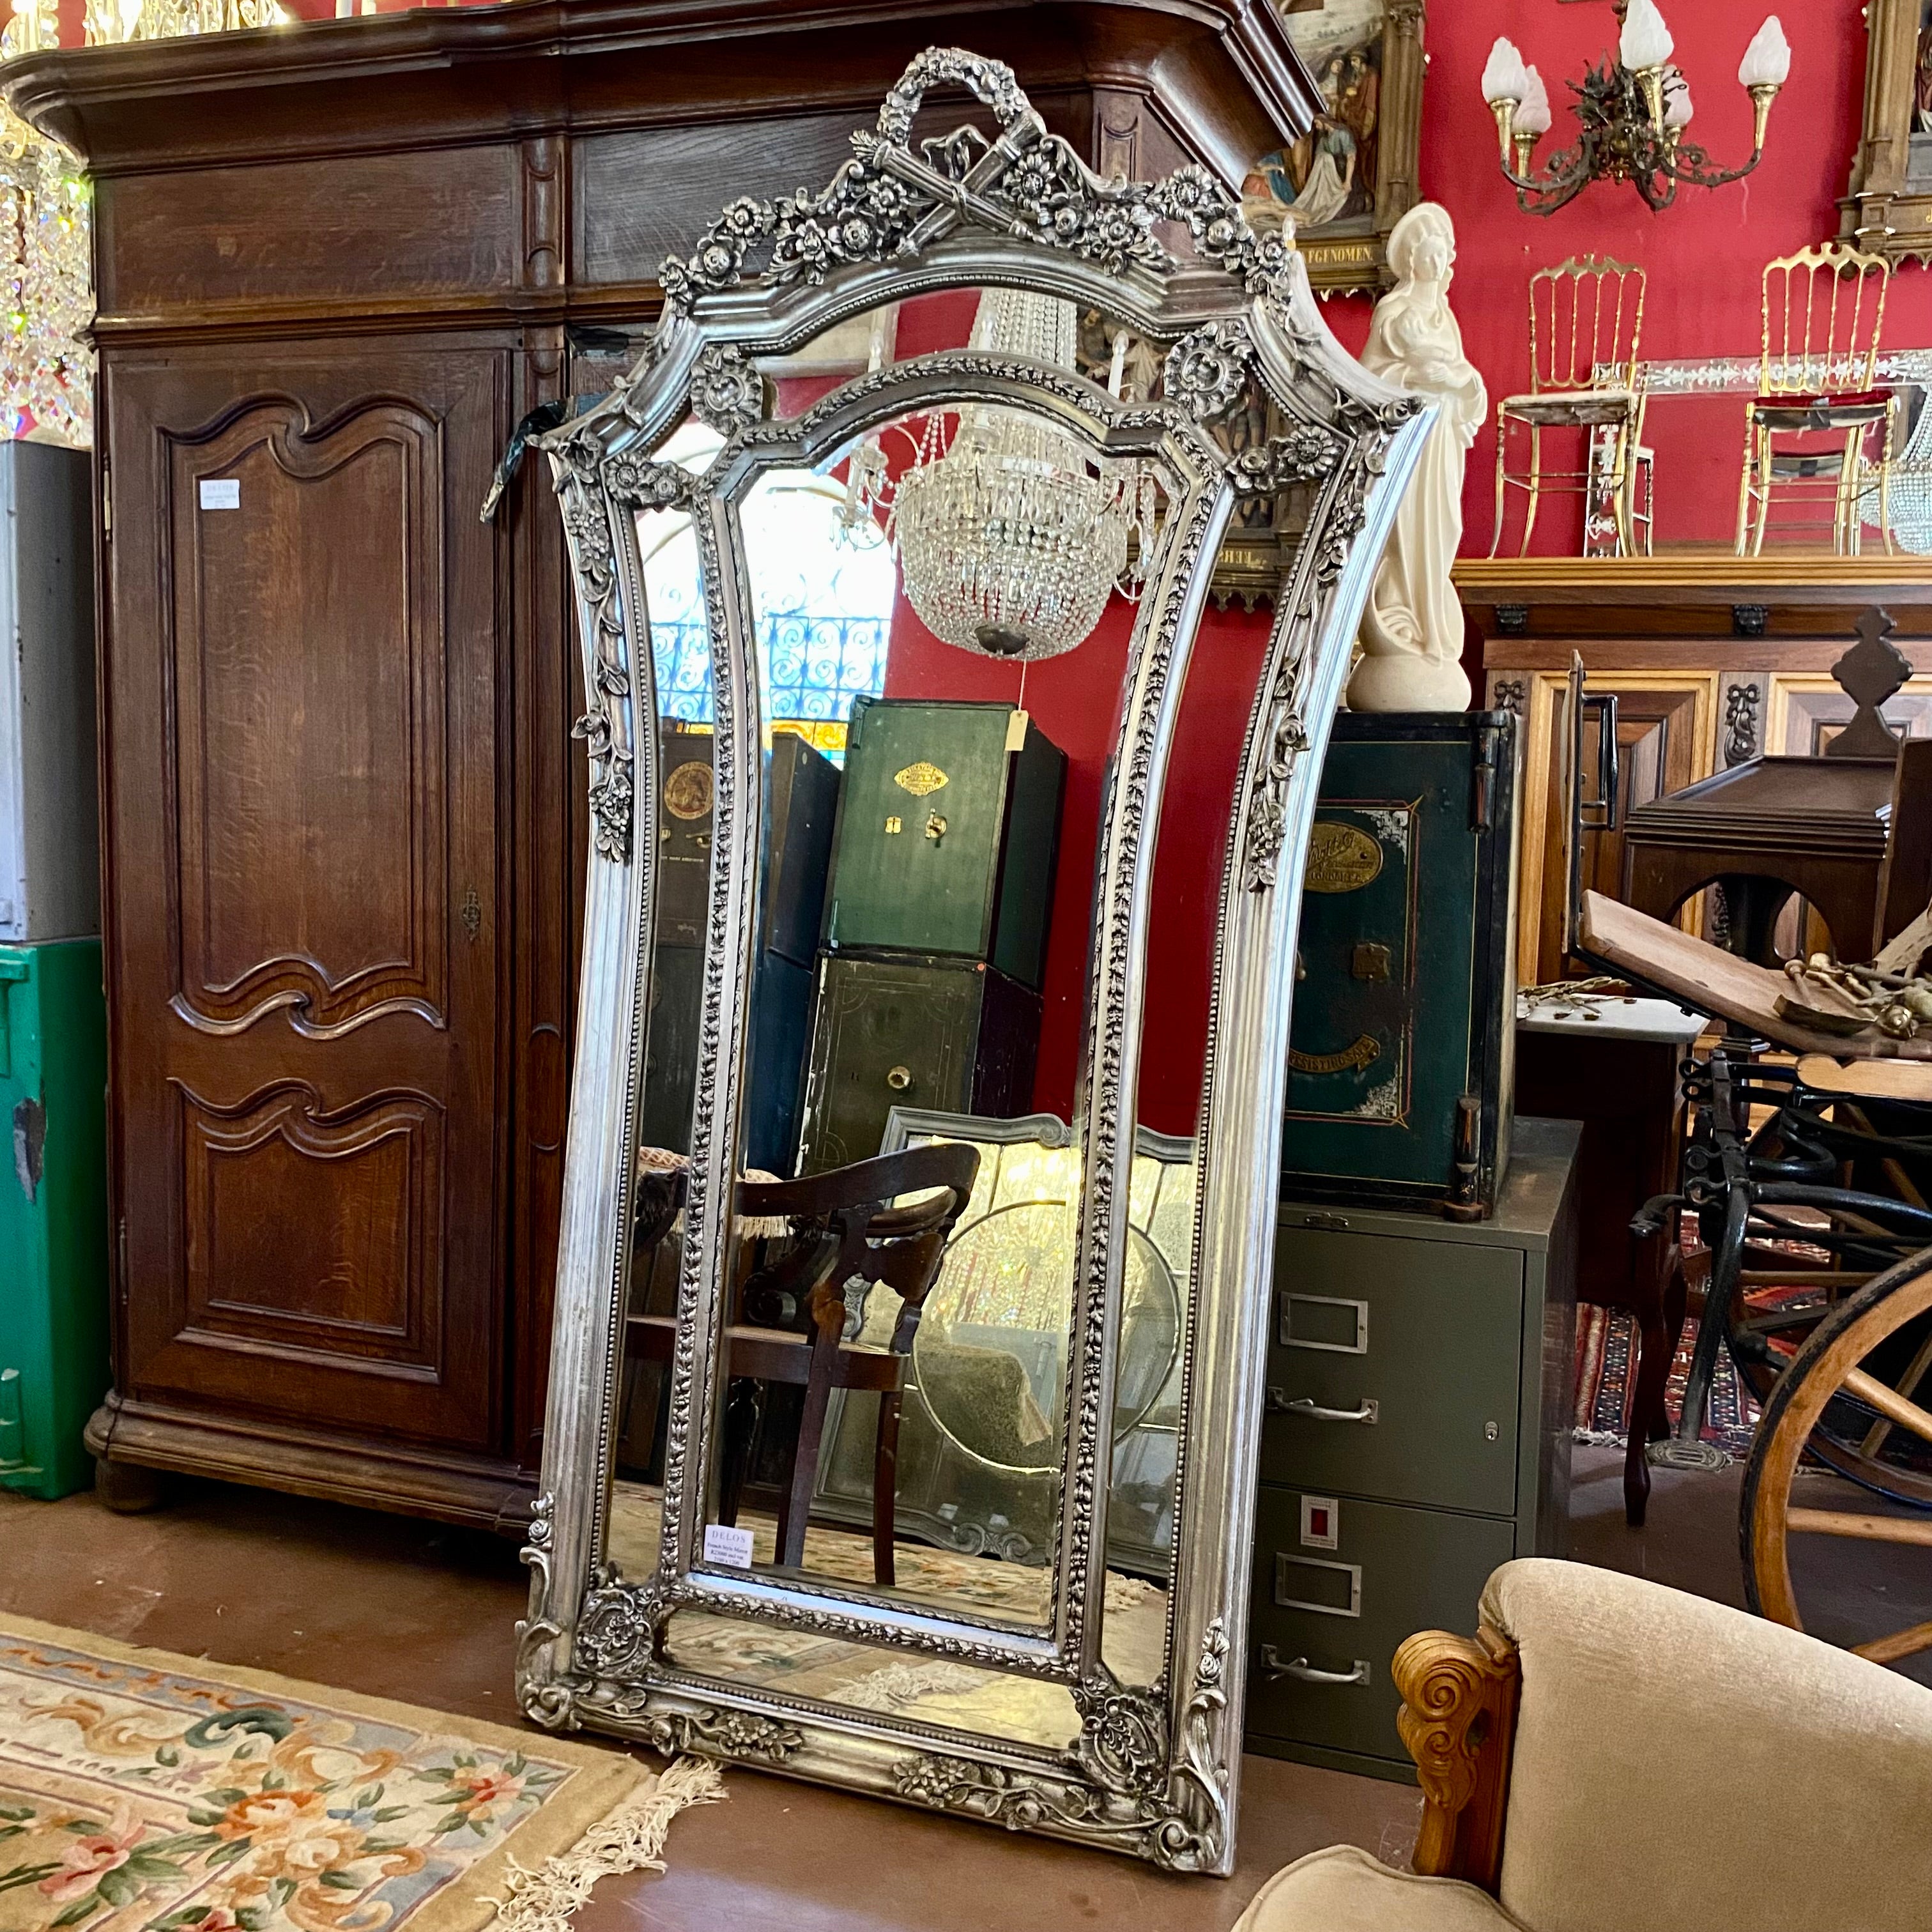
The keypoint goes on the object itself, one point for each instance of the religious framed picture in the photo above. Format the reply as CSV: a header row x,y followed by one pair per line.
x,y
1888,209
1349,180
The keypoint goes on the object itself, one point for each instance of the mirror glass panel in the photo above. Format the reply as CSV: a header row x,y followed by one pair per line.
x,y
680,721
894,1418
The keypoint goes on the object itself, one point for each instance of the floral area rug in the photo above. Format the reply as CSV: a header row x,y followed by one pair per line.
x,y
142,1791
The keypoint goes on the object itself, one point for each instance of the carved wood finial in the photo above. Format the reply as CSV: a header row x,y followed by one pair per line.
x,y
1868,673
1458,1721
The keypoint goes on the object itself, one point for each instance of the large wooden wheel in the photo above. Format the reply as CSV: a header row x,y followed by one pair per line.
x,y
1845,1360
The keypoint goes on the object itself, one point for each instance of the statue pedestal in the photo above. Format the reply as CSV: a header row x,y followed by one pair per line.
x,y
1408,682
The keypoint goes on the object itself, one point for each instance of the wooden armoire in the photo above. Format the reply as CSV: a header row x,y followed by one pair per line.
x,y
343,817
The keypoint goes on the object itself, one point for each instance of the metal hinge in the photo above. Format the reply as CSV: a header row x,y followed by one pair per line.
x,y
121,1259
107,505
1482,800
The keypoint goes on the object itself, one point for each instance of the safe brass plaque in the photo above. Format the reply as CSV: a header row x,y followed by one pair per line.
x,y
919,779
1341,858
687,792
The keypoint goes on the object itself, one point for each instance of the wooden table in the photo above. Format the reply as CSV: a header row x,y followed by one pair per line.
x,y
1618,1074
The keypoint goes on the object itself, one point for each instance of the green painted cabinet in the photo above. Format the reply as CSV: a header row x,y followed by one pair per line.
x,y
53,1213
949,828
1419,1399
950,1037
1399,1066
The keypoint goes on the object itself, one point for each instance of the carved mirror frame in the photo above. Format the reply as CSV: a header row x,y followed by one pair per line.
x,y
1153,1772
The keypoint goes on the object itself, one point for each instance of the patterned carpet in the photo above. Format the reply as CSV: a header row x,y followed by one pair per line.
x,y
1606,1385
142,1791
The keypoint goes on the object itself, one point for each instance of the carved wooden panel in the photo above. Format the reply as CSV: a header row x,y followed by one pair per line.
x,y
443,222
308,691
350,1275
308,833
1666,731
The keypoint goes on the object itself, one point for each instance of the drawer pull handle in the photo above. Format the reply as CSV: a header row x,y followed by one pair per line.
x,y
1302,1671
1306,1407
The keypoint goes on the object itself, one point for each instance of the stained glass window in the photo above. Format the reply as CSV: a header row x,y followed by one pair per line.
x,y
824,611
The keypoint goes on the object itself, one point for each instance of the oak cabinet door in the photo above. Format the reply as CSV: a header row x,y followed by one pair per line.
x,y
301,656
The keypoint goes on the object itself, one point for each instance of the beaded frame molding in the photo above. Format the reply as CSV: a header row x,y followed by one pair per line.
x,y
1153,1771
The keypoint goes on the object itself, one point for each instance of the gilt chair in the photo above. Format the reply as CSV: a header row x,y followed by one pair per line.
x,y
790,1323
1585,331
1547,1749
1823,328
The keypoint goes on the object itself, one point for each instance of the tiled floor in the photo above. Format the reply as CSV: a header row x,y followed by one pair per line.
x,y
410,1610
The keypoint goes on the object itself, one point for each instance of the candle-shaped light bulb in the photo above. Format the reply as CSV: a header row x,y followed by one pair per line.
x,y
1677,108
1767,60
1532,114
1646,41
1505,77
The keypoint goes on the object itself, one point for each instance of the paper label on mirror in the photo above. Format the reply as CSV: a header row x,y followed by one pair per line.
x,y
220,493
726,1545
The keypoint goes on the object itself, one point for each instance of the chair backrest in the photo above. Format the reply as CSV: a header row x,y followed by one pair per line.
x,y
1824,321
1586,324
844,1226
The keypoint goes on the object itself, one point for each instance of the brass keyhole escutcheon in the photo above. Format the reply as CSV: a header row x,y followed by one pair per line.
x,y
935,828
899,1078
894,826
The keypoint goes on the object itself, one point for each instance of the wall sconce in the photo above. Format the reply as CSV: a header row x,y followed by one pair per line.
x,y
1632,114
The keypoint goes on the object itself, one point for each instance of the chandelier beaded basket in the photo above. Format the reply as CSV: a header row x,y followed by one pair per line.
x,y
1011,536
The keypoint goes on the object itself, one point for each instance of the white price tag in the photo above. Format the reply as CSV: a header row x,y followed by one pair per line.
x,y
727,1546
221,492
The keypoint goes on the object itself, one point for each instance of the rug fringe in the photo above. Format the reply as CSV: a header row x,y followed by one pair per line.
x,y
631,1839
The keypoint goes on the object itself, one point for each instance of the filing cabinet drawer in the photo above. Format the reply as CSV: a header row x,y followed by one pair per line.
x,y
1342,1611
1394,1369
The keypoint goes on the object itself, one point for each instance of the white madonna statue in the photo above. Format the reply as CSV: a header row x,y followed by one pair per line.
x,y
1412,630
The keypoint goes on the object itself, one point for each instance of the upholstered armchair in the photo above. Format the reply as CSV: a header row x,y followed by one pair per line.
x,y
1609,1755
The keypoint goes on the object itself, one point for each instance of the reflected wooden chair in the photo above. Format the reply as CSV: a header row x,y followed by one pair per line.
x,y
792,1315
1585,332
1824,325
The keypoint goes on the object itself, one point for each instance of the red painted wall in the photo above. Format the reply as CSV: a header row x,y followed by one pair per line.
x,y
1704,256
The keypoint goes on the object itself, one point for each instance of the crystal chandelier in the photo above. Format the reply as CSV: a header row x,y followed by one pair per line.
x,y
1011,535
1633,114
47,368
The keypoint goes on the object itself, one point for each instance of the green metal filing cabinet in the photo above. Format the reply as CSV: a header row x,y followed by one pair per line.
x,y
53,1206
53,1213
1418,1434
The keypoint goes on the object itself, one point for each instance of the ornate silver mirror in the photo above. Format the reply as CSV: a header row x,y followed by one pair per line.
x,y
907,1381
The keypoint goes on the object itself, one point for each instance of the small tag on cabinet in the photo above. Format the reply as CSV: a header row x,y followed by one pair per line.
x,y
221,492
726,1545
1321,1523
1016,731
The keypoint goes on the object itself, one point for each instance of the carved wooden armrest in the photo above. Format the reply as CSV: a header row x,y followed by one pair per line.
x,y
1459,1721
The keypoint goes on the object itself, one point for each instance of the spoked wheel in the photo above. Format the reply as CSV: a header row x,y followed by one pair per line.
x,y
1854,1365
1786,1299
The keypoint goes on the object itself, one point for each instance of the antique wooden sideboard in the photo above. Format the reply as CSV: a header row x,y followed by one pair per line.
x,y
336,263
1713,660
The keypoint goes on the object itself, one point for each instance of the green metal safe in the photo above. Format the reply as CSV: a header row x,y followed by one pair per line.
x,y
53,1213
1419,1405
1399,1069
952,1036
948,827
802,805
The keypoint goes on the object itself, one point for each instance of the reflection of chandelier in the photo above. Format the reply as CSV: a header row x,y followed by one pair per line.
x,y
1011,535
45,367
